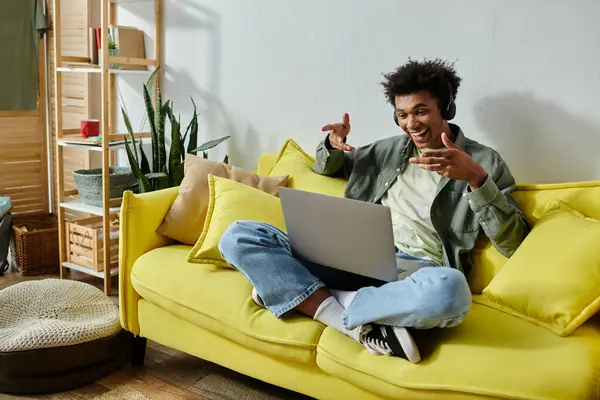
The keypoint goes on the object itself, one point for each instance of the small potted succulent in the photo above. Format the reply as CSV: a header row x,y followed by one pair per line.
x,y
112,51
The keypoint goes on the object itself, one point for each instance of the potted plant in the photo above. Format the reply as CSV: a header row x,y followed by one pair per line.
x,y
165,170
112,51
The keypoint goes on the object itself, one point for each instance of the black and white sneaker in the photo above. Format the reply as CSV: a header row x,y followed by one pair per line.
x,y
390,341
256,298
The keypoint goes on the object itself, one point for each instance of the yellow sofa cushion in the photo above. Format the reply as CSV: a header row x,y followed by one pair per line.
x,y
187,214
553,279
231,201
533,199
490,354
298,165
189,338
218,299
266,163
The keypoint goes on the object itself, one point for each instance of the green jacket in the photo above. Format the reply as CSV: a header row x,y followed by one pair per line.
x,y
458,215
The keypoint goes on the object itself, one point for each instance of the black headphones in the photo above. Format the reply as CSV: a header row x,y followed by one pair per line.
x,y
448,114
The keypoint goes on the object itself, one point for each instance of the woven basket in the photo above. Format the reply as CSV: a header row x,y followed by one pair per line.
x,y
89,184
36,251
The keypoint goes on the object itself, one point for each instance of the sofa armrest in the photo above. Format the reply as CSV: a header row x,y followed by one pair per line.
x,y
141,215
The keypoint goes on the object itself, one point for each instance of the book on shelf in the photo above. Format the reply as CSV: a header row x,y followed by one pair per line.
x,y
128,40
93,46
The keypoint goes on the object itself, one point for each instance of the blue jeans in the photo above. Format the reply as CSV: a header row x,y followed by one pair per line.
x,y
433,296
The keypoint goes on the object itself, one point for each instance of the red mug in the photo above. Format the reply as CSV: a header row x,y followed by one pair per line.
x,y
90,128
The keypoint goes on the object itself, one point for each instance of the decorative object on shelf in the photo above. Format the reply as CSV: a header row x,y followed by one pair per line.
x,y
34,244
90,128
85,242
165,172
58,335
130,42
89,183
112,52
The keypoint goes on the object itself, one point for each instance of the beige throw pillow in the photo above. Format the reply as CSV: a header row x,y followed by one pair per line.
x,y
185,219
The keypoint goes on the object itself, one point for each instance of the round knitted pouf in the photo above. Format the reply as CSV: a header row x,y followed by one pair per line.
x,y
56,335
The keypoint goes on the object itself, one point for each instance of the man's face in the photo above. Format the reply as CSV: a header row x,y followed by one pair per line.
x,y
420,117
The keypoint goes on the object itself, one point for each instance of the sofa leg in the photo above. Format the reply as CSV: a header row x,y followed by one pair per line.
x,y
138,351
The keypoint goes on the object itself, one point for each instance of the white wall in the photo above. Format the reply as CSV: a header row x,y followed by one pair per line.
x,y
266,70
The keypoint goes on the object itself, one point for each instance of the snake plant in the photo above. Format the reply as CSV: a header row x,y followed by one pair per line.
x,y
165,171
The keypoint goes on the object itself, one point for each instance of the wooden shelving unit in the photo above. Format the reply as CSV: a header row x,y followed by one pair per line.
x,y
110,139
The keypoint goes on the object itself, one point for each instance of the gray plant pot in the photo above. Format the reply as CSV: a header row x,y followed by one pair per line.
x,y
89,184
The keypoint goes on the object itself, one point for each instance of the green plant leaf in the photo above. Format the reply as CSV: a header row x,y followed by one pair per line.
x,y
152,78
175,152
178,175
182,148
226,160
181,143
143,183
211,144
187,131
193,126
153,133
145,165
130,130
164,181
160,113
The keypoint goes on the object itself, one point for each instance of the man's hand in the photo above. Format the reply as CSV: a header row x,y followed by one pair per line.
x,y
453,163
338,132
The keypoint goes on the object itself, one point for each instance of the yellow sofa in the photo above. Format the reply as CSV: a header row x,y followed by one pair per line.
x,y
207,311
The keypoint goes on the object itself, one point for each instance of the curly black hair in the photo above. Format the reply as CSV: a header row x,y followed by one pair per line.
x,y
436,76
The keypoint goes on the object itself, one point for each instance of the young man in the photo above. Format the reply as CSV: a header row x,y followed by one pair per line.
x,y
443,189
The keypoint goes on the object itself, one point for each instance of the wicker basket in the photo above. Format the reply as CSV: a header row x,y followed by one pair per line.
x,y
35,251
89,184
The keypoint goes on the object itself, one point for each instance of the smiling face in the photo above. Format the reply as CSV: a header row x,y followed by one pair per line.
x,y
420,117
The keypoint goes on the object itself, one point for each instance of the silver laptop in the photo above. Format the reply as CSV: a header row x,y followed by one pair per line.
x,y
341,233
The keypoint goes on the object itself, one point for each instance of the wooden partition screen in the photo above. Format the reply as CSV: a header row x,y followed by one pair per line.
x,y
23,152
23,161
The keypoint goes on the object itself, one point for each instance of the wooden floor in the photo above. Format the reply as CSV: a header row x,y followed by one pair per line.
x,y
167,373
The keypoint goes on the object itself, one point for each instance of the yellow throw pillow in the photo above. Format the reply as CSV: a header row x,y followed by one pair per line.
x,y
230,201
296,163
553,279
186,216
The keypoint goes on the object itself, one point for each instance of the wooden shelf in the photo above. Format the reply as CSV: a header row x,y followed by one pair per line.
x,y
79,142
79,205
82,63
92,70
89,271
130,1
140,62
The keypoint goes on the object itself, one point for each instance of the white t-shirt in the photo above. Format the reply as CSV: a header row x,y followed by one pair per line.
x,y
409,200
